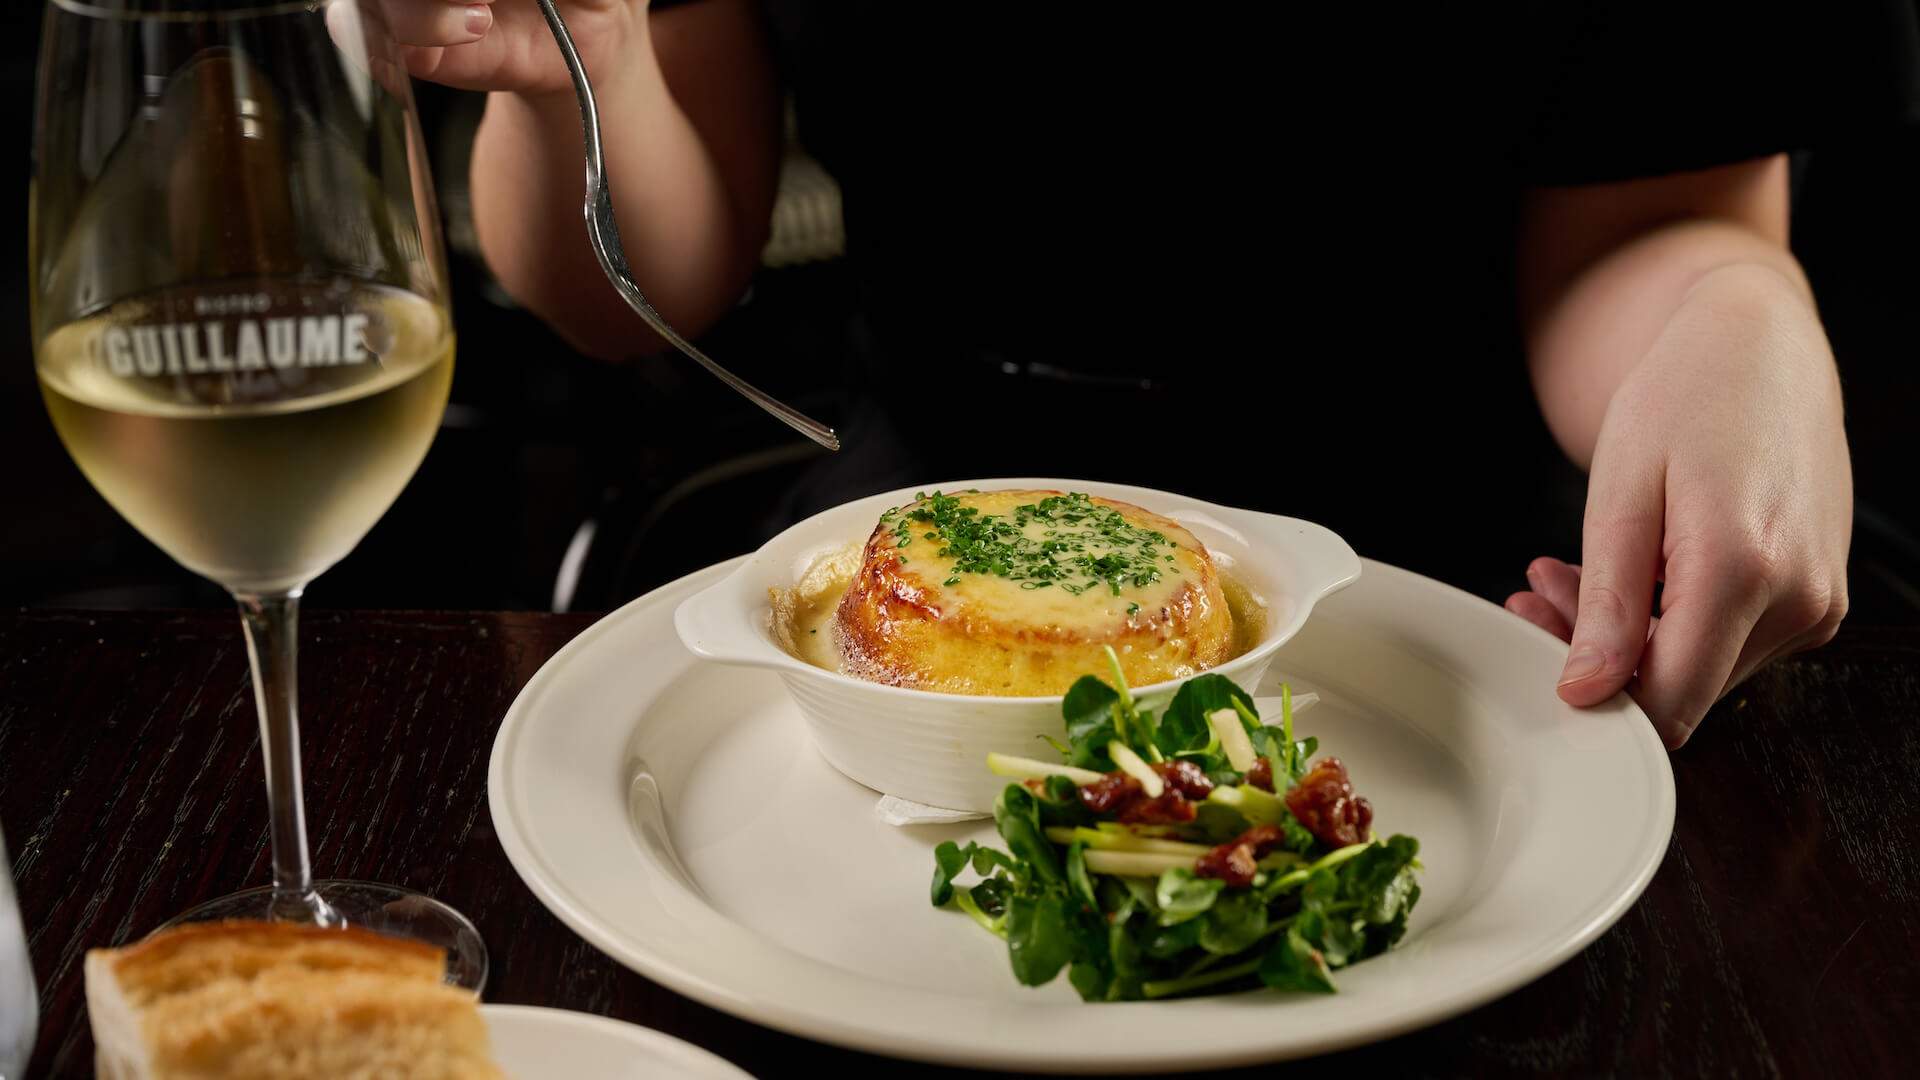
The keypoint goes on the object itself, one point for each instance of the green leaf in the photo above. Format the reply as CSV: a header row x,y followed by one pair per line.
x,y
1091,751
1059,789
1183,896
1113,896
986,859
1220,772
1086,706
1294,964
1384,936
1039,937
1017,814
1178,735
1380,877
1097,713
1144,894
1183,724
948,860
1090,979
1092,970
1380,883
1303,750
1077,874
1218,822
1298,839
1060,804
1145,732
1236,920
1323,889
1123,952
1268,744
1167,942
991,895
1333,936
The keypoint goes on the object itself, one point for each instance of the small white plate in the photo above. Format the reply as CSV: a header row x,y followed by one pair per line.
x,y
674,814
535,1044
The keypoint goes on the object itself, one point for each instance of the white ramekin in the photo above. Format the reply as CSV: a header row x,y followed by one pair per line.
x,y
932,747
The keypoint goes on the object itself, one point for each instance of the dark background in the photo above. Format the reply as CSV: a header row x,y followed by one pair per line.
x,y
652,470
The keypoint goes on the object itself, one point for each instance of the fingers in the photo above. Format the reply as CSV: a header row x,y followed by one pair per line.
x,y
1711,610
1803,617
1541,612
423,61
1620,559
1559,583
438,22
360,32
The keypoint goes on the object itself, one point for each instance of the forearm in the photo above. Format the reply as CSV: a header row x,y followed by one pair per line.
x,y
691,242
1678,357
1659,296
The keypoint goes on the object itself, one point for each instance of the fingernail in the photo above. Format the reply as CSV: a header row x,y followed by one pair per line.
x,y
479,19
1533,578
1585,663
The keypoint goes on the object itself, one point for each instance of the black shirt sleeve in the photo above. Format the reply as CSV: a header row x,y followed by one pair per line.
x,y
1649,87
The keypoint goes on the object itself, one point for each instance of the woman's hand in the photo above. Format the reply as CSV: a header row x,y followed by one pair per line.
x,y
1721,470
505,44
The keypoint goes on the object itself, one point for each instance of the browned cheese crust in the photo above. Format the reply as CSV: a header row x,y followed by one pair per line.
x,y
901,623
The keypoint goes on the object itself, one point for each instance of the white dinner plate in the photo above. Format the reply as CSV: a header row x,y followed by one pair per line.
x,y
674,814
538,1044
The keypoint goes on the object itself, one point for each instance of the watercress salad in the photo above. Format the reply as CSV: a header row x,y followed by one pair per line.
x,y
1193,850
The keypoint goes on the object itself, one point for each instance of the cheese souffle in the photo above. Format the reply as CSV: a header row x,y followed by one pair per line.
x,y
1019,593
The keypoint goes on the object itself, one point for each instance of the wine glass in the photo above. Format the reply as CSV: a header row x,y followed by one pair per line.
x,y
241,331
19,1003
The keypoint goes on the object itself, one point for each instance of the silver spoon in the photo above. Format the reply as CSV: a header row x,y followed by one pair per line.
x,y
605,238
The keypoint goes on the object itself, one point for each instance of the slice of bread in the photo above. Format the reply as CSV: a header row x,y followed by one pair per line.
x,y
271,1001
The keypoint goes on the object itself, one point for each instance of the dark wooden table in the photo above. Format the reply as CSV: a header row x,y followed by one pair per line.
x,y
1780,937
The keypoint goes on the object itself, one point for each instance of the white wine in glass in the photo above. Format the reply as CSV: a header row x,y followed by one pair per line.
x,y
241,331
257,492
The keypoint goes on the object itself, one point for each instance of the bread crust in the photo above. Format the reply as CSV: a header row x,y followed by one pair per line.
x,y
188,952
273,1001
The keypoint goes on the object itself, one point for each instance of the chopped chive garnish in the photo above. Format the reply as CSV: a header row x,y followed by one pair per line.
x,y
1076,538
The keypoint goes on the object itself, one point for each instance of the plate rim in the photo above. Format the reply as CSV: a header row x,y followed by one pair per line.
x,y
1519,972
627,1031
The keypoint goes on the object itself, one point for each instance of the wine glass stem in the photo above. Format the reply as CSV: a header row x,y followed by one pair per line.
x,y
271,623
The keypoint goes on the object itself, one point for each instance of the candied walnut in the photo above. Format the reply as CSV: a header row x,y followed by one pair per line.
x,y
1169,808
1120,796
1261,775
1236,861
1110,794
1326,805
1185,777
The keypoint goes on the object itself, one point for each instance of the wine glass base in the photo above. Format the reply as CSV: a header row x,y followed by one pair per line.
x,y
368,905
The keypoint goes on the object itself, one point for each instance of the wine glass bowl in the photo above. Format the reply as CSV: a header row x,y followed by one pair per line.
x,y
241,329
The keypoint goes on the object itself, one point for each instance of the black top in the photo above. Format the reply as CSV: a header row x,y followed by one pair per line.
x,y
1270,233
